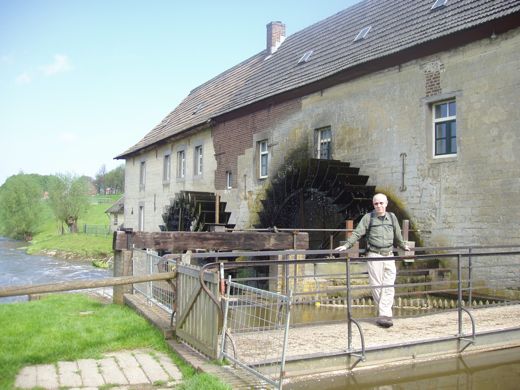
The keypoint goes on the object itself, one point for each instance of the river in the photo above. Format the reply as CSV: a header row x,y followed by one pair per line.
x,y
18,268
492,370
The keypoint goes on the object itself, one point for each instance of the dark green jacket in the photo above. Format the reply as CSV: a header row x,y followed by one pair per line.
x,y
383,233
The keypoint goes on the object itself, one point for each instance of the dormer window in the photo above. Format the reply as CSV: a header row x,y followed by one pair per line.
x,y
306,57
362,34
199,107
439,4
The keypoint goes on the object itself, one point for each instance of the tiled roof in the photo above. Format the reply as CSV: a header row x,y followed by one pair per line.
x,y
118,207
395,26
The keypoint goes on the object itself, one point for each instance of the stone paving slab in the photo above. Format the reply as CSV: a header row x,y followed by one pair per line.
x,y
140,369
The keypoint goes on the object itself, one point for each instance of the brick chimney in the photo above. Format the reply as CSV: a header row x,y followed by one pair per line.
x,y
275,36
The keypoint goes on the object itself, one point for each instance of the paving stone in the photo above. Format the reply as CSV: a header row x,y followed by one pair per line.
x,y
47,376
84,388
89,372
111,372
153,369
26,378
130,367
68,374
172,370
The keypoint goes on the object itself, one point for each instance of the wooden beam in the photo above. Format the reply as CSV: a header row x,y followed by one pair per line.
x,y
82,284
222,241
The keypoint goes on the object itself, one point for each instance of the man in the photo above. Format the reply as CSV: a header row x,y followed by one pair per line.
x,y
381,230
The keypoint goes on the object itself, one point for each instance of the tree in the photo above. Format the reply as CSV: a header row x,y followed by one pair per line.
x,y
68,199
20,206
99,181
115,179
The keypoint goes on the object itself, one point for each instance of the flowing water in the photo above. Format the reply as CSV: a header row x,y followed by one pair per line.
x,y
18,268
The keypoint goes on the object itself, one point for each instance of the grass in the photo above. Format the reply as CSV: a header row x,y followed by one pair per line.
x,y
79,245
75,326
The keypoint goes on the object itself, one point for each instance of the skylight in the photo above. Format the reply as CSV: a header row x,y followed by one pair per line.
x,y
306,57
362,34
199,107
439,4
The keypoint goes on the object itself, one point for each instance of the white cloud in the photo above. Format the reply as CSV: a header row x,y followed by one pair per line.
x,y
24,78
61,64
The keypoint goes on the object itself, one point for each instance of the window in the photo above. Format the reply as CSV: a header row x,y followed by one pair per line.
x,y
263,157
166,168
142,175
141,218
198,160
362,34
324,143
306,57
445,128
181,164
439,4
115,219
229,179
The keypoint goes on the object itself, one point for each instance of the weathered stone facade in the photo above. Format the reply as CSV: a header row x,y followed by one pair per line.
x,y
457,200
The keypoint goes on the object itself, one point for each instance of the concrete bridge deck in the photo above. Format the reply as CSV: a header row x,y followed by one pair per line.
x,y
323,348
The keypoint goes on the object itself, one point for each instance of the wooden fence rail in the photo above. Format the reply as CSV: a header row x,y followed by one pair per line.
x,y
81,284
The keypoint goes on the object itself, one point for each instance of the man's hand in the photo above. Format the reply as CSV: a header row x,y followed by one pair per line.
x,y
406,248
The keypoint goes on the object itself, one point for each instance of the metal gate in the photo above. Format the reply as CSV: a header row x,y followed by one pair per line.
x,y
255,331
160,293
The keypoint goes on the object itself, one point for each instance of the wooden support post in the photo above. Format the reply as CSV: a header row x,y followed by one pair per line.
x,y
350,226
123,266
217,209
406,229
123,263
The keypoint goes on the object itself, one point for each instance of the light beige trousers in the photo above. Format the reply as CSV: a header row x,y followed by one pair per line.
x,y
381,273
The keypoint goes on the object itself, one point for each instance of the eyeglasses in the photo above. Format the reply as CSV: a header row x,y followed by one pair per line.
x,y
379,203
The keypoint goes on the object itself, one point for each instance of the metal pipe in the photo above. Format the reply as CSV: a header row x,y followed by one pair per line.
x,y
349,307
459,293
470,282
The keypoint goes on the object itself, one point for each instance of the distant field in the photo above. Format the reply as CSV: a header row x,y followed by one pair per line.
x,y
81,245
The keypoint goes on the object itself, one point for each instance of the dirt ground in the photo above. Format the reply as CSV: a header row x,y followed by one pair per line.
x,y
332,338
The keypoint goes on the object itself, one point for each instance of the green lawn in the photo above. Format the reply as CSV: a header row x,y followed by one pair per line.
x,y
74,326
81,245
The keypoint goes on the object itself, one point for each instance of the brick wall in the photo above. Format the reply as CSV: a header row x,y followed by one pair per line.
x,y
232,138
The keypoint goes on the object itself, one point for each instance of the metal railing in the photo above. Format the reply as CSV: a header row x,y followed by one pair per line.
x,y
96,230
255,331
324,281
162,292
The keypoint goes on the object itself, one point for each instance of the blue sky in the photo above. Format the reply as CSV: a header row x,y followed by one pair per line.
x,y
82,81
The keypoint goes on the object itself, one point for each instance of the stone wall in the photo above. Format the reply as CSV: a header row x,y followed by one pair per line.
x,y
156,193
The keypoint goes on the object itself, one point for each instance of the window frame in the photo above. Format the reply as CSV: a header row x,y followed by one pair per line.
x,y
448,138
263,155
181,164
142,175
229,180
167,168
321,141
199,160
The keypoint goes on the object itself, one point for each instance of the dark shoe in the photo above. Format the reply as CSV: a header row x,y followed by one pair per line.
x,y
384,322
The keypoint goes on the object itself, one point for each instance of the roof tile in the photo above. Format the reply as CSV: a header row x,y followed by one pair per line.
x,y
396,25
